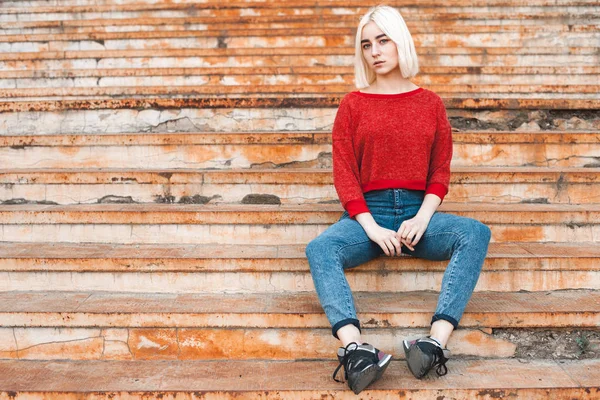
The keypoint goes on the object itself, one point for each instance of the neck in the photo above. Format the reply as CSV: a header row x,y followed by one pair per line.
x,y
392,83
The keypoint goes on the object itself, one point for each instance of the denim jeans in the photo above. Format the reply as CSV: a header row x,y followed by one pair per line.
x,y
463,241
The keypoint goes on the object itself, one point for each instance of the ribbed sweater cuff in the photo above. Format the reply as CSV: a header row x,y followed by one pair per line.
x,y
438,189
355,207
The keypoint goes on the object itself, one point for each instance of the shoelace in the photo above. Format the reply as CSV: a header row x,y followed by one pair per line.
x,y
345,360
440,361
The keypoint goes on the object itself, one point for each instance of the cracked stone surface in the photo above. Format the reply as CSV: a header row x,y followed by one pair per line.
x,y
559,191
524,121
267,119
181,120
149,343
288,156
207,343
279,282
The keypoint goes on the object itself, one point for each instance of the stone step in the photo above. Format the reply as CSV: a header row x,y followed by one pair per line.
x,y
430,72
192,102
467,379
576,110
262,149
207,89
235,28
554,185
304,37
179,11
220,344
290,57
154,25
252,268
180,258
155,4
270,75
241,9
420,25
564,308
112,78
265,224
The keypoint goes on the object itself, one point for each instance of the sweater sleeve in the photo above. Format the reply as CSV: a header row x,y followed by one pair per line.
x,y
438,177
346,175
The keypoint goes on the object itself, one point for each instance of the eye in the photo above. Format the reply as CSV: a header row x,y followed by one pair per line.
x,y
383,41
366,46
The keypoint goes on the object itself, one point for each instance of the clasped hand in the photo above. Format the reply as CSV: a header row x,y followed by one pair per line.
x,y
391,242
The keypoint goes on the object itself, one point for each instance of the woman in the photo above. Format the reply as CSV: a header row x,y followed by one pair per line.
x,y
392,147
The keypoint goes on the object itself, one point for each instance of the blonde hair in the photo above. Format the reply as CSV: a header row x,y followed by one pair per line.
x,y
389,20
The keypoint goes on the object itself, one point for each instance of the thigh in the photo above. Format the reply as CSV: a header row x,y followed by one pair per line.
x,y
348,239
441,237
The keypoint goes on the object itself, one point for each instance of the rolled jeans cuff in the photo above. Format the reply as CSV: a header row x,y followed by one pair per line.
x,y
344,322
445,317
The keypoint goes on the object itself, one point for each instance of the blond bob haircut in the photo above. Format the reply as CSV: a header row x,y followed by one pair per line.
x,y
389,20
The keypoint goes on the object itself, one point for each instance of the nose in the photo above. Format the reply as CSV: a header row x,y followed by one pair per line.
x,y
375,50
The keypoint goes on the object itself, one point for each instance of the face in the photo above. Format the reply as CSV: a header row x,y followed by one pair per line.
x,y
377,47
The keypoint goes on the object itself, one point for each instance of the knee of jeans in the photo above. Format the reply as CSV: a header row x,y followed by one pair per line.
x,y
321,248
487,232
479,231
316,247
310,248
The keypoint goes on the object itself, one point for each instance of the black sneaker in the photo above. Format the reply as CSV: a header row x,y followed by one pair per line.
x,y
363,364
424,354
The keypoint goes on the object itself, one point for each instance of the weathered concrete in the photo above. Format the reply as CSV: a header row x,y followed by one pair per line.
x,y
567,308
281,185
215,344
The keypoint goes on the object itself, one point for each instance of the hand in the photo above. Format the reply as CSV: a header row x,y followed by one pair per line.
x,y
411,231
386,239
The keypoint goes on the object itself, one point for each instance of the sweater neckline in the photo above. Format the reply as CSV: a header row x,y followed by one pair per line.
x,y
391,95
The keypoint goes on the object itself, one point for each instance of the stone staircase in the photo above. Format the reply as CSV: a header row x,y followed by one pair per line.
x,y
164,164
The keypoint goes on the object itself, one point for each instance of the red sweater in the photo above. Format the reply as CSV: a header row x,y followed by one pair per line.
x,y
384,141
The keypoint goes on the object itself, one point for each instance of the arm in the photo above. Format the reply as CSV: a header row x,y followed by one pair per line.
x,y
430,204
438,176
346,174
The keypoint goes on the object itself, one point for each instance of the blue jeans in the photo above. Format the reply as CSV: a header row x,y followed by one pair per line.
x,y
463,241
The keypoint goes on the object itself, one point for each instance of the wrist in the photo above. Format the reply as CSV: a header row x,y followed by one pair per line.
x,y
366,220
424,216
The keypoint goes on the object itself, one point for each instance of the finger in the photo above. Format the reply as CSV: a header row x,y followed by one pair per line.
x,y
405,227
417,239
407,244
405,236
411,235
384,248
409,247
397,245
390,247
410,232
402,230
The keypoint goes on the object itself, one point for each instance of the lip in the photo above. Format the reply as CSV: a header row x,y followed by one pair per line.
x,y
378,63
